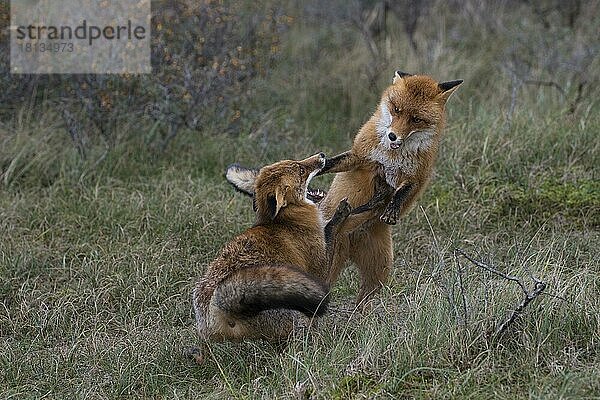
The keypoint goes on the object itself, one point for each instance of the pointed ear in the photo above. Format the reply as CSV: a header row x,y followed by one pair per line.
x,y
447,88
241,178
399,75
276,201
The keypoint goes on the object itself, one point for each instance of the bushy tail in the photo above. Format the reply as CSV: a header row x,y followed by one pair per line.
x,y
254,289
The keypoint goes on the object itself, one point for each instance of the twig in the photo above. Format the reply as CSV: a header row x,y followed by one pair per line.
x,y
462,287
547,83
492,270
529,296
539,288
516,84
572,104
75,130
561,298
578,98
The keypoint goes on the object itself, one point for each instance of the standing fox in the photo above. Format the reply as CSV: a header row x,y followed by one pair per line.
x,y
398,144
271,277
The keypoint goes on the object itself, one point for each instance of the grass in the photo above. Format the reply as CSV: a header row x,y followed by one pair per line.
x,y
97,259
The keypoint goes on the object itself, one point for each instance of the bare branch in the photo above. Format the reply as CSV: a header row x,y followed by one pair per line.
x,y
75,131
529,296
492,270
462,287
561,298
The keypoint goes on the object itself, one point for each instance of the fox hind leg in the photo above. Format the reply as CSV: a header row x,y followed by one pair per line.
x,y
339,257
372,252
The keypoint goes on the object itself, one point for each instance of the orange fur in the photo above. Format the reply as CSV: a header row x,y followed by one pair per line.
x,y
283,256
411,112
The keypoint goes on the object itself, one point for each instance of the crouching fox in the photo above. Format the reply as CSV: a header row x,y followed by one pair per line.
x,y
271,278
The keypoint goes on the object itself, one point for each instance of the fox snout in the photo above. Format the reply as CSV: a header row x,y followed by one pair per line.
x,y
395,141
319,157
314,163
394,138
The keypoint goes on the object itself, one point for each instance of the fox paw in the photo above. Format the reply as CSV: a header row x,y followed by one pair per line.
x,y
389,217
194,354
343,210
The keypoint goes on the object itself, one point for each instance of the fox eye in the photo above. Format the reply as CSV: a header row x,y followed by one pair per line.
x,y
416,120
396,110
302,170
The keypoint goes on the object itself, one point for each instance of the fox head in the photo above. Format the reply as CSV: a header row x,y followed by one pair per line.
x,y
277,185
412,110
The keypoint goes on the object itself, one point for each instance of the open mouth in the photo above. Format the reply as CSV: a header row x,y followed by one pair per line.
x,y
394,145
318,169
310,176
314,195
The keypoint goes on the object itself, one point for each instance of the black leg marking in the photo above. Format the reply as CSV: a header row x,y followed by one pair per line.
x,y
382,195
390,215
342,212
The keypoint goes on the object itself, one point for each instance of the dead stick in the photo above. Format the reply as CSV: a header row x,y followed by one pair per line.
x,y
529,297
547,83
462,287
539,288
492,270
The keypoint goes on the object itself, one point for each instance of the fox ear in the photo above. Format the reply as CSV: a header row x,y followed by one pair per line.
x,y
276,201
447,88
241,178
399,75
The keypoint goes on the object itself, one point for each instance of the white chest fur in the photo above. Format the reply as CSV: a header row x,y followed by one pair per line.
x,y
403,161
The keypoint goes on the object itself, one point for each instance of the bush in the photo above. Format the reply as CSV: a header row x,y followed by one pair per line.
x,y
203,55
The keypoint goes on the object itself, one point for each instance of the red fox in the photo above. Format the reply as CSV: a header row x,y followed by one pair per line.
x,y
398,144
271,278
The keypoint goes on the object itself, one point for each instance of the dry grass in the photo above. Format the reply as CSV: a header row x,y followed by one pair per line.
x,y
98,257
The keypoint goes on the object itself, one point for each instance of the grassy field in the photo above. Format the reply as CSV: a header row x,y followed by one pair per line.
x,y
98,256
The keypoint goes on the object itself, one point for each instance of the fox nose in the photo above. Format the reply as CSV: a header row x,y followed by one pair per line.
x,y
322,155
392,136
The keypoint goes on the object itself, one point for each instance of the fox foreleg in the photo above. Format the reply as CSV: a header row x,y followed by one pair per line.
x,y
332,228
392,211
371,209
343,162
382,193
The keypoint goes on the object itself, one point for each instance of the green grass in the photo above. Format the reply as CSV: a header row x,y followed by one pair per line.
x,y
98,256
